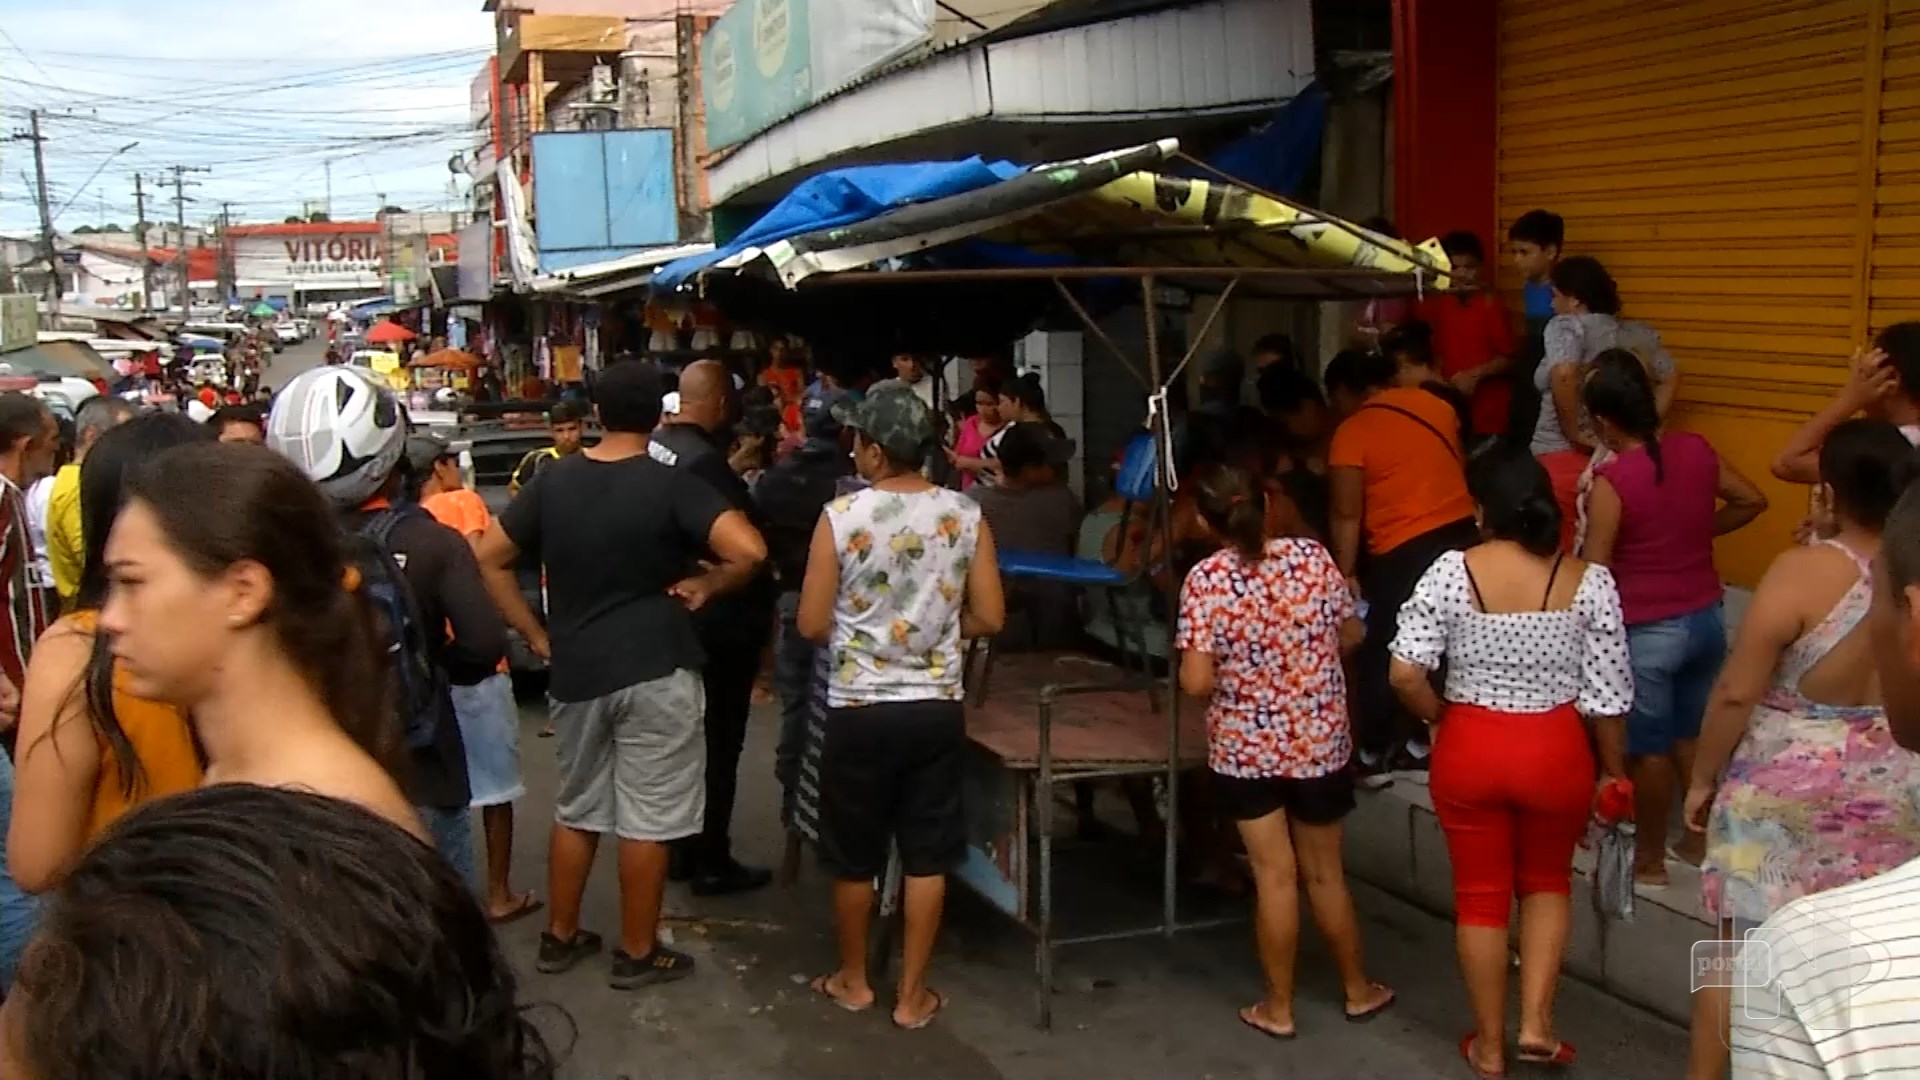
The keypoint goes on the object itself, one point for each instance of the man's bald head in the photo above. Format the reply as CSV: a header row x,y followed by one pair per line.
x,y
706,388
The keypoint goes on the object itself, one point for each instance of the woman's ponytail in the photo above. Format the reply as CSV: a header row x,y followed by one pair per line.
x,y
1234,505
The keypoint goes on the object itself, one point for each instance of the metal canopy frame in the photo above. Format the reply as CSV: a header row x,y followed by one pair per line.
x,y
1047,772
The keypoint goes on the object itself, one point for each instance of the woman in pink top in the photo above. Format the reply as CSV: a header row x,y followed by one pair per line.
x,y
1653,512
969,453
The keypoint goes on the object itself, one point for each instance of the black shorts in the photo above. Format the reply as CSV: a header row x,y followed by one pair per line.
x,y
893,771
1316,800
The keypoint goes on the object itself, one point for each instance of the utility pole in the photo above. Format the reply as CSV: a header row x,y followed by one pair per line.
x,y
140,233
228,286
180,219
47,252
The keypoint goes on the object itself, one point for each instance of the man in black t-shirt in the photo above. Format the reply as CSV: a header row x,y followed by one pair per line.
x,y
733,632
618,533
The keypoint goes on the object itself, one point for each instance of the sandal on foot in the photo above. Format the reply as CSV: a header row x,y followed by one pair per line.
x,y
1373,1011
939,1002
1254,1017
1466,1054
523,905
823,987
1557,1056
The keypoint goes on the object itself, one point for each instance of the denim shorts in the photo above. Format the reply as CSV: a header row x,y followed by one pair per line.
x,y
1675,661
490,730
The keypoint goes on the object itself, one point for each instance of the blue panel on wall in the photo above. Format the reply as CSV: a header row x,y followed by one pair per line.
x,y
640,199
570,190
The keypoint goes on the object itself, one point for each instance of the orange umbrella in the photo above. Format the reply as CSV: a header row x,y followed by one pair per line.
x,y
389,333
448,359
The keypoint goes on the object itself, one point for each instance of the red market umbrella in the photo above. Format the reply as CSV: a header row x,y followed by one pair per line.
x,y
448,360
389,333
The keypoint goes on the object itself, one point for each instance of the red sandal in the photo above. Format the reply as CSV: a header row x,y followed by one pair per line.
x,y
1559,1056
1466,1054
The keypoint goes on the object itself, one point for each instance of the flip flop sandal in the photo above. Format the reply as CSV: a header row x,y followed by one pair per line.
x,y
1558,1056
527,904
819,986
939,1003
1369,1014
1250,1016
1466,1055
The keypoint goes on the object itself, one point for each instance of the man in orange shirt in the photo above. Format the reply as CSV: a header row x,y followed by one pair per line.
x,y
489,718
1472,338
1398,473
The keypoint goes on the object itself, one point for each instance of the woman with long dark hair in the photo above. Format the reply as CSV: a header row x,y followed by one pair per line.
x,y
259,934
1798,783
1263,628
1533,642
231,595
1655,507
88,750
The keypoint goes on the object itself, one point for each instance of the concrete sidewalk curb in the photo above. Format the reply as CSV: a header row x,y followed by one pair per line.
x,y
1394,842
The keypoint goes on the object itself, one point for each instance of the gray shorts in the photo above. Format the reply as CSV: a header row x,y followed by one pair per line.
x,y
634,762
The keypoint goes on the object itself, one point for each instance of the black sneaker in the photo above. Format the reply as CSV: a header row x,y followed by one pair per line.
x,y
662,965
557,956
730,877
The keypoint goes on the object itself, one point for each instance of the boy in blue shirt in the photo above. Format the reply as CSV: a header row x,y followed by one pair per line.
x,y
1534,243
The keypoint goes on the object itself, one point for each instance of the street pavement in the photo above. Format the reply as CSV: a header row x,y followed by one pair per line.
x,y
1145,1008
293,360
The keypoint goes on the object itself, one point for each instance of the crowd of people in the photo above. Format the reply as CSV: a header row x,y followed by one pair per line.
x,y
1453,548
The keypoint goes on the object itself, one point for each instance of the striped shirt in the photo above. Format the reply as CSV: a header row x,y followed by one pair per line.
x,y
26,617
1841,993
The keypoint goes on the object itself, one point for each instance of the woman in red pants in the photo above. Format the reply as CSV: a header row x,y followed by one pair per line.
x,y
1533,641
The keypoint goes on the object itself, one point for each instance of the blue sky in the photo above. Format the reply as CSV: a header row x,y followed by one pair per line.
x,y
264,94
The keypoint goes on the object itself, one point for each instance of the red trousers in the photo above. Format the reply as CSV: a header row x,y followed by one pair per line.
x,y
1563,470
1513,792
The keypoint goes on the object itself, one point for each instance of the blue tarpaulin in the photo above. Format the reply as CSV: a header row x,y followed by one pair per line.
x,y
843,197
1278,154
369,310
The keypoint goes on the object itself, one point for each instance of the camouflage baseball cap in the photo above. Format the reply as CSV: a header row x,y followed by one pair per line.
x,y
891,415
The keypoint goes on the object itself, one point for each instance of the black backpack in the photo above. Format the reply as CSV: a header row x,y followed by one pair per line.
x,y
421,688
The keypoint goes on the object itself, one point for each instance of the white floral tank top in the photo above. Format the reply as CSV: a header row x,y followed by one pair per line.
x,y
904,560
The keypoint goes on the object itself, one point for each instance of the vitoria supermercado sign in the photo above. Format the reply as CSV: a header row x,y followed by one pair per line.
x,y
322,255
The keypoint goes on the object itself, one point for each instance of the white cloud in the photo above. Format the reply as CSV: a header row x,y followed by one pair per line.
x,y
263,94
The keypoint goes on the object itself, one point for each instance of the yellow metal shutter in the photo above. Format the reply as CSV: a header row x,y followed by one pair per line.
x,y
1717,156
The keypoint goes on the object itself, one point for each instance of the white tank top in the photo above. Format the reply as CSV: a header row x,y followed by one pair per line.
x,y
904,561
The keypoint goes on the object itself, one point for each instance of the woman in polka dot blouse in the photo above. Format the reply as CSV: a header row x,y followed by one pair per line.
x,y
1533,641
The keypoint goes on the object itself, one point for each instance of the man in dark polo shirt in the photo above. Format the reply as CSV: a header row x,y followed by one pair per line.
x,y
733,631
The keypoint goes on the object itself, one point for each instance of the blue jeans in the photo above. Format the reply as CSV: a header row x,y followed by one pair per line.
x,y
1675,661
452,832
793,681
18,912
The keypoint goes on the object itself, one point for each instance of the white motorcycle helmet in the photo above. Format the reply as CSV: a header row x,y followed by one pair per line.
x,y
345,429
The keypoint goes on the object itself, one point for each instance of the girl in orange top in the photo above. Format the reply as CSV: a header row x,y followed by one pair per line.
x,y
89,751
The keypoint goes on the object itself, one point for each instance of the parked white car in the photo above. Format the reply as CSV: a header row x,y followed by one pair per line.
x,y
287,334
63,394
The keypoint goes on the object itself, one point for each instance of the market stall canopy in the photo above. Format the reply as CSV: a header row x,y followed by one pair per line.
x,y
263,310
74,359
389,333
1111,213
616,275
448,360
